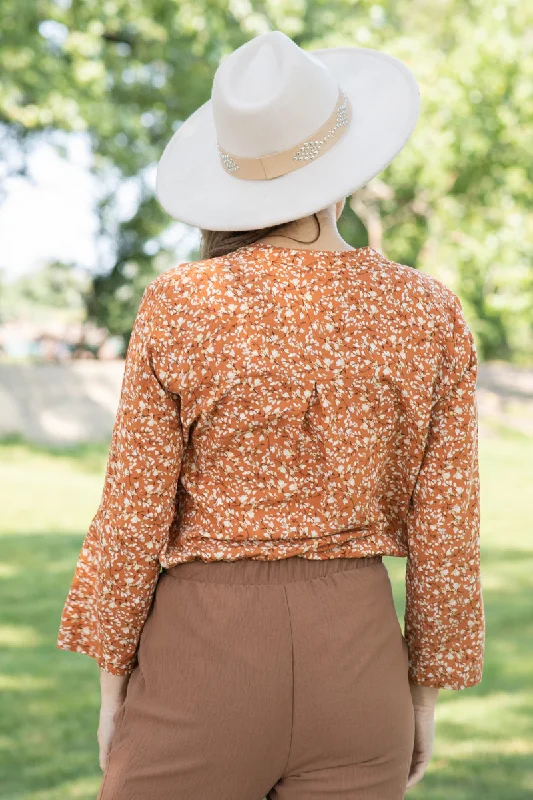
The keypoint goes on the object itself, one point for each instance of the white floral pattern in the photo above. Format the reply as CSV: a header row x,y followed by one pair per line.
x,y
280,402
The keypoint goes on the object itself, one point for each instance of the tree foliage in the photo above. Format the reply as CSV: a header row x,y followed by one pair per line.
x,y
456,203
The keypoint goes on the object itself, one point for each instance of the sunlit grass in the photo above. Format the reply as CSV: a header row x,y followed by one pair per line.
x,y
49,709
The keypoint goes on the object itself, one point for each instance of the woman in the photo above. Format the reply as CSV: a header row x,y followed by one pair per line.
x,y
292,409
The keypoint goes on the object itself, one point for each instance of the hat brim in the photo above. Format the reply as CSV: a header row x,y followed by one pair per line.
x,y
193,187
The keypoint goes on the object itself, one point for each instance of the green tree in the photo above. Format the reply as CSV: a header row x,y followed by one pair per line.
x,y
51,288
457,203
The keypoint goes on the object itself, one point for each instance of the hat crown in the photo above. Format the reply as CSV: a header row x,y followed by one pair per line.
x,y
268,95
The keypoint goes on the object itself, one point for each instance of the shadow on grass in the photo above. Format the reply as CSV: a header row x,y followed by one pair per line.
x,y
48,748
84,457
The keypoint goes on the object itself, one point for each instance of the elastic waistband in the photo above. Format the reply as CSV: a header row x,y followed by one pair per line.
x,y
285,570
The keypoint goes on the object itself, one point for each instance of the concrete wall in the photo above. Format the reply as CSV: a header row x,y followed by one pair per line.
x,y
76,401
61,403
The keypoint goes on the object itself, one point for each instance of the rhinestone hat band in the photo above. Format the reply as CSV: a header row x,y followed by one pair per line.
x,y
285,161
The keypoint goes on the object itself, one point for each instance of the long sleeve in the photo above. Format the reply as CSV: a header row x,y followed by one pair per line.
x,y
118,566
444,614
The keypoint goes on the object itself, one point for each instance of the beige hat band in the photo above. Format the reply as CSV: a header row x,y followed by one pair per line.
x,y
285,161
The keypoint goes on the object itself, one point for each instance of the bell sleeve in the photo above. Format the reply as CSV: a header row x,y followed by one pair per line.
x,y
118,566
444,614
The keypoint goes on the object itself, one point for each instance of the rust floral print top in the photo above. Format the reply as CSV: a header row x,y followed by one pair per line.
x,y
280,402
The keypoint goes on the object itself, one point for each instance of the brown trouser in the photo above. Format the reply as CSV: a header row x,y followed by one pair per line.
x,y
281,679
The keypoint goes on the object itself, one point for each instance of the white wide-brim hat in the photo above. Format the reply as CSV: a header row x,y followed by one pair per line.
x,y
271,98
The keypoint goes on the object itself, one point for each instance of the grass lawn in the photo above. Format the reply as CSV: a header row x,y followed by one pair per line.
x,y
49,710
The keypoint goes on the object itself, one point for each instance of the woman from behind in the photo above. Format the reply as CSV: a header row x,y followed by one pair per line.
x,y
292,409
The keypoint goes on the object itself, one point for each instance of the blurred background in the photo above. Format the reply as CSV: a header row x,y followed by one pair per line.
x,y
90,92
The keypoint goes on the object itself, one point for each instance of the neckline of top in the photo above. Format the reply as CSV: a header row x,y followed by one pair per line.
x,y
297,250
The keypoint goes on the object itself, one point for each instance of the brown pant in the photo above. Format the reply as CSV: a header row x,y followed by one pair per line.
x,y
285,679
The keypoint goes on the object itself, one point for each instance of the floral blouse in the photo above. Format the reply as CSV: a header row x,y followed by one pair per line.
x,y
285,402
